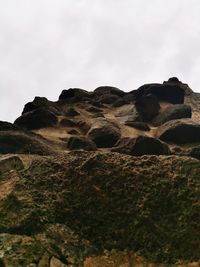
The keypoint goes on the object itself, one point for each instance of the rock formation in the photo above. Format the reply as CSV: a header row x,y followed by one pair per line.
x,y
105,178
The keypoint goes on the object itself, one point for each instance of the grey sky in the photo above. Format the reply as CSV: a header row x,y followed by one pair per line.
x,y
49,45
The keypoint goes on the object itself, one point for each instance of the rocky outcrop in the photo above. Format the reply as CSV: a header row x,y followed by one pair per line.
x,y
141,145
8,163
179,132
138,125
179,111
36,119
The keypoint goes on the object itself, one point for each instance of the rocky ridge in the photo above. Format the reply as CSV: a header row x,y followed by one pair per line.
x,y
102,178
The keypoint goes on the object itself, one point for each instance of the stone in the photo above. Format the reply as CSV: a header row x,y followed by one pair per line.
x,y
36,119
102,90
75,143
178,111
108,98
130,97
147,106
67,123
73,92
179,131
8,163
168,92
104,133
141,145
23,143
138,125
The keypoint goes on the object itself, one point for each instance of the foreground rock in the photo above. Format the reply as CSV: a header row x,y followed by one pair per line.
x,y
179,111
179,132
8,163
76,206
23,143
141,145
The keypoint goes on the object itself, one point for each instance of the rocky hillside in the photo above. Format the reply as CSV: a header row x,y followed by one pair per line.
x,y
102,179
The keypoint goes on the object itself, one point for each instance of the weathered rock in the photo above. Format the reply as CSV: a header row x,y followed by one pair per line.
x,y
94,109
75,143
153,200
179,111
119,102
21,143
108,98
147,107
36,119
102,90
138,125
104,133
73,131
128,113
141,145
195,152
71,112
7,126
67,123
74,92
169,92
179,131
8,163
130,97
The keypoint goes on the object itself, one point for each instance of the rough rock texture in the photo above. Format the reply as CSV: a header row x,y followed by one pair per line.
x,y
64,206
76,206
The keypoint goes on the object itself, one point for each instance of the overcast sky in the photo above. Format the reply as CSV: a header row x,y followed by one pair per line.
x,y
49,45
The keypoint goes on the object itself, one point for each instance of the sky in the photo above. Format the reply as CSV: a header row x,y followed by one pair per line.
x,y
50,45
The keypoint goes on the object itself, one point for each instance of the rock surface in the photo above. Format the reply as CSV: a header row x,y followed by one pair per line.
x,y
64,206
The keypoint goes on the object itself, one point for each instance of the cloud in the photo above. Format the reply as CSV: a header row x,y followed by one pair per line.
x,y
48,45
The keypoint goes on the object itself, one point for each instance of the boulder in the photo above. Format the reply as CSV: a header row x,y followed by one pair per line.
x,y
168,92
74,92
76,143
108,98
67,123
147,107
102,90
104,133
23,143
8,163
141,145
138,125
179,131
130,97
36,119
178,111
